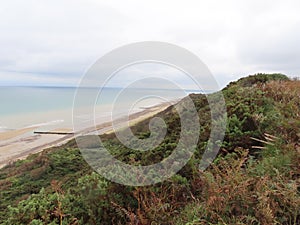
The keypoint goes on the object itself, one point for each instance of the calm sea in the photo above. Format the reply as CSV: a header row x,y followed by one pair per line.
x,y
52,106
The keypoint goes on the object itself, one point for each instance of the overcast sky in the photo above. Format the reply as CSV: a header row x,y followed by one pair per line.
x,y
55,42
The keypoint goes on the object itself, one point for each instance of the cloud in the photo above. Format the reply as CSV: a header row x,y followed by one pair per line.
x,y
10,78
55,42
152,75
55,36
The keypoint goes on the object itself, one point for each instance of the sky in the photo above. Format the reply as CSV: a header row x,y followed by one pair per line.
x,y
54,43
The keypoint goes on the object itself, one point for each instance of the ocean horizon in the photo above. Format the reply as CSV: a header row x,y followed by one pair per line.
x,y
49,107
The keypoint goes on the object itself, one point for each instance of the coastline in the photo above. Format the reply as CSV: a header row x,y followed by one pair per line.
x,y
20,143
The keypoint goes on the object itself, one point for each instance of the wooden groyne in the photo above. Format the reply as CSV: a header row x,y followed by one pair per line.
x,y
53,132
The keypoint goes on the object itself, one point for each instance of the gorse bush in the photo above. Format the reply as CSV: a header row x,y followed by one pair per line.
x,y
255,179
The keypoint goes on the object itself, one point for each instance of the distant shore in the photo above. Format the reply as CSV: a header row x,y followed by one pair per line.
x,y
18,144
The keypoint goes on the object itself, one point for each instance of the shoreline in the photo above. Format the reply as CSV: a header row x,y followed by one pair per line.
x,y
35,143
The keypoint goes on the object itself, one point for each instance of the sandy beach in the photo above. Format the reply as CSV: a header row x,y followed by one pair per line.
x,y
15,133
18,144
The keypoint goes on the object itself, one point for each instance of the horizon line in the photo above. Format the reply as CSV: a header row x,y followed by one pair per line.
x,y
51,86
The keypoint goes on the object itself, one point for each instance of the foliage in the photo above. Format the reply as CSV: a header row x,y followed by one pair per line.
x,y
254,180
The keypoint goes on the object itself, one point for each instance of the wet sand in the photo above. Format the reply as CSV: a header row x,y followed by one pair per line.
x,y
15,133
18,144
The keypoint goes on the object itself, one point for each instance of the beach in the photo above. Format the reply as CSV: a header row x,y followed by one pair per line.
x,y
19,143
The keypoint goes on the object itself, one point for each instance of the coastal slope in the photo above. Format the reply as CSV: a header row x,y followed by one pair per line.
x,y
255,178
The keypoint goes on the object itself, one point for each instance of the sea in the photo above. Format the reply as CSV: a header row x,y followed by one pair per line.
x,y
53,107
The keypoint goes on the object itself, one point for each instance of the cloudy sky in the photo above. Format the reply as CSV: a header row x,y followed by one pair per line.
x,y
55,42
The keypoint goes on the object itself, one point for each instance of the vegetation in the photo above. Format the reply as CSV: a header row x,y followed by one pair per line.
x,y
254,180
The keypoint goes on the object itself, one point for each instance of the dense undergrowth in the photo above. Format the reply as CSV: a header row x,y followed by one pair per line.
x,y
254,180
